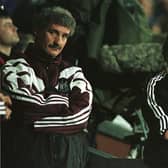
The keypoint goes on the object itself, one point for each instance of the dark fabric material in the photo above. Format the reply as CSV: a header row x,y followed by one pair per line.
x,y
21,147
100,160
156,147
156,153
132,26
3,58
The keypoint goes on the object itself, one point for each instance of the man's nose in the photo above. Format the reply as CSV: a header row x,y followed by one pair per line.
x,y
15,28
58,40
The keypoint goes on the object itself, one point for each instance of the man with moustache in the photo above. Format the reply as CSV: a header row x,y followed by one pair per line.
x,y
52,99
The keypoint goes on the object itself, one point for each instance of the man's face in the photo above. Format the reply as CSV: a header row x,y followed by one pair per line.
x,y
53,39
8,32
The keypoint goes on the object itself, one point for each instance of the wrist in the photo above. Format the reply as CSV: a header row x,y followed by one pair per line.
x,y
166,135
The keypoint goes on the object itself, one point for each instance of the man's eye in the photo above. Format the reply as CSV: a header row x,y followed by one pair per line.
x,y
51,31
9,25
65,36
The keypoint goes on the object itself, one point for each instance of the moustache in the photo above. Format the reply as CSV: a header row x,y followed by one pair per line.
x,y
55,46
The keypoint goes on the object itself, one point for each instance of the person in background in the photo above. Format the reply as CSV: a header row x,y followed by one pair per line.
x,y
52,100
148,8
159,23
8,39
155,111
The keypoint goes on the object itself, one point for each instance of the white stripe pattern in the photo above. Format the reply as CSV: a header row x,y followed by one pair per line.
x,y
75,119
151,99
29,78
25,93
2,108
40,100
59,125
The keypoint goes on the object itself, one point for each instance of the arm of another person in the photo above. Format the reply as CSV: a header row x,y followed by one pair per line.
x,y
157,98
5,102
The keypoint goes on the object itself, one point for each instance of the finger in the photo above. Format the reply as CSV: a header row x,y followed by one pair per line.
x,y
7,100
1,96
8,113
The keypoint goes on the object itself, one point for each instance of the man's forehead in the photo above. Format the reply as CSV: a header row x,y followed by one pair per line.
x,y
5,20
60,28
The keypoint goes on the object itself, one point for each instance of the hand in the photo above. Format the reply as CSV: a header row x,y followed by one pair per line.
x,y
8,102
166,135
8,113
5,99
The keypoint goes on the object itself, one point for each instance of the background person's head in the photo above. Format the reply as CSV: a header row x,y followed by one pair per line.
x,y
8,32
52,27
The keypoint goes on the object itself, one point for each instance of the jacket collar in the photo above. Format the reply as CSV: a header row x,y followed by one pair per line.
x,y
4,58
41,56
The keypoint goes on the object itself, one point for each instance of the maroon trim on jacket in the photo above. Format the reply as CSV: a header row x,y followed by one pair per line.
x,y
67,112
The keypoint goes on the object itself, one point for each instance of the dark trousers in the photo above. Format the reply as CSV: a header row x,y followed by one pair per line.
x,y
22,147
156,153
